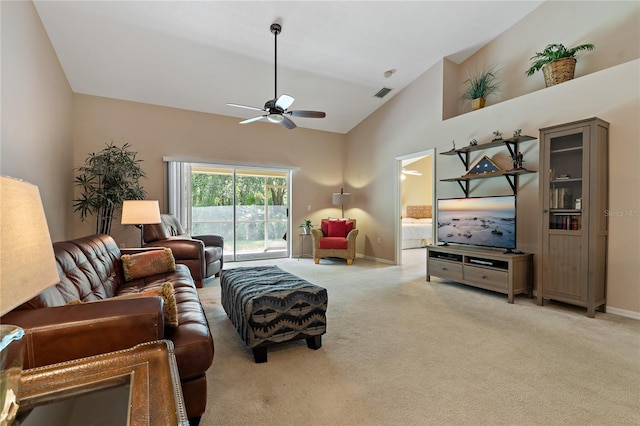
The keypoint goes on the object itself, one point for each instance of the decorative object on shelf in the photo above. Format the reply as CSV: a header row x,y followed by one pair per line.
x,y
517,133
557,63
340,199
107,179
517,159
484,166
479,86
497,135
140,213
27,267
306,227
454,145
473,142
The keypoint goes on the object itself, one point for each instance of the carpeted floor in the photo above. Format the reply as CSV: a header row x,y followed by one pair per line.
x,y
402,351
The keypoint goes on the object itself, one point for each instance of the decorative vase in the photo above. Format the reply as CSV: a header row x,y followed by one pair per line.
x,y
477,103
559,71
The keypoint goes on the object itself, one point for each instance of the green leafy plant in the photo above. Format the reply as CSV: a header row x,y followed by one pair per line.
x,y
107,179
307,224
553,52
481,84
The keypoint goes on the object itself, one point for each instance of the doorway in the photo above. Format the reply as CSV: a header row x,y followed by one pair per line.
x,y
414,205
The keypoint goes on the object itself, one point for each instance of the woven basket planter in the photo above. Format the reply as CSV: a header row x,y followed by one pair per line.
x,y
559,71
477,103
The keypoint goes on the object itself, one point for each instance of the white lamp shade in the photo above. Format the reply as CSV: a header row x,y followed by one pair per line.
x,y
27,262
140,212
339,199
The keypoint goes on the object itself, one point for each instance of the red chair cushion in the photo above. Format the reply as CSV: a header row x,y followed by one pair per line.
x,y
337,228
338,243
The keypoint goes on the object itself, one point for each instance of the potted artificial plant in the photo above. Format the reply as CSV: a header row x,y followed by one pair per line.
x,y
306,226
558,63
479,86
107,179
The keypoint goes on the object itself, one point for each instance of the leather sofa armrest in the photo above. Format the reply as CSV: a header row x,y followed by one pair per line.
x,y
182,248
210,240
69,332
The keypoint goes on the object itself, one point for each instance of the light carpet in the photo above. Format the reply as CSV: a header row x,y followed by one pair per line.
x,y
402,351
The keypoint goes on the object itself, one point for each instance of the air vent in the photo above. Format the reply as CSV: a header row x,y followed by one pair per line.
x,y
382,92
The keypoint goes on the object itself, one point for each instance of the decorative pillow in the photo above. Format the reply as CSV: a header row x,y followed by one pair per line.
x,y
147,263
348,226
337,228
324,227
168,295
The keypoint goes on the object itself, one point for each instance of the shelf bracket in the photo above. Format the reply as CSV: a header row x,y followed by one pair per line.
x,y
513,151
513,182
465,187
464,159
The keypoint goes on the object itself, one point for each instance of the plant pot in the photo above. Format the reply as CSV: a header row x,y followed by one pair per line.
x,y
477,103
306,230
559,71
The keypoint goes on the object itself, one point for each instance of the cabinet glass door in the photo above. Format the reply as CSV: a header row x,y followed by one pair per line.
x,y
565,182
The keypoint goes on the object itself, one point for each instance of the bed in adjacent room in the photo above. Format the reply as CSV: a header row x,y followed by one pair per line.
x,y
417,229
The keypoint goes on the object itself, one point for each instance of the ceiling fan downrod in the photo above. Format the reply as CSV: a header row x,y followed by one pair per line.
x,y
275,30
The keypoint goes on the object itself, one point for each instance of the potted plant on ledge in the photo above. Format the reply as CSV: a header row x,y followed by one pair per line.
x,y
479,86
306,227
558,63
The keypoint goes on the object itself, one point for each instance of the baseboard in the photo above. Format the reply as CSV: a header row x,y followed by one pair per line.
x,y
375,259
623,313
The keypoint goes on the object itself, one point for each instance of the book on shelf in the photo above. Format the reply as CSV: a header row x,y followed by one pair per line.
x,y
561,198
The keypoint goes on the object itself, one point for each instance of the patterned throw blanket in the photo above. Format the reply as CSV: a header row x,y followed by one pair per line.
x,y
268,305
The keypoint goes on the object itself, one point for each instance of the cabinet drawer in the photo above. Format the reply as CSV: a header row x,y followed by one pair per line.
x,y
444,269
486,277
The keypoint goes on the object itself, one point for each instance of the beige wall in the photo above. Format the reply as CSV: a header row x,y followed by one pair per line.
x,y
410,122
156,132
36,114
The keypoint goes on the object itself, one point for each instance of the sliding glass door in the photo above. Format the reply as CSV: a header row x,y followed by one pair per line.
x,y
247,206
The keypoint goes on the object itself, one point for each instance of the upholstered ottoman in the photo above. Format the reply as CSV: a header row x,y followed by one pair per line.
x,y
267,305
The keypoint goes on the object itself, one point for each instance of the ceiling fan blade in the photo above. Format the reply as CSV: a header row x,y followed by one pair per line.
x,y
246,107
251,120
284,102
308,114
286,122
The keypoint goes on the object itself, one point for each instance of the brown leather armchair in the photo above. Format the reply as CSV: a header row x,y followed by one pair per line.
x,y
203,254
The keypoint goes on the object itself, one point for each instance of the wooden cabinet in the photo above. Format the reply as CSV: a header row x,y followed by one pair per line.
x,y
507,273
573,197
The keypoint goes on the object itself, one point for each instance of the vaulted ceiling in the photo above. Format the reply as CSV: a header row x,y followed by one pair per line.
x,y
200,55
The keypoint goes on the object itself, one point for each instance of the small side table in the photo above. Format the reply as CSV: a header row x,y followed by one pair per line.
x,y
141,384
301,238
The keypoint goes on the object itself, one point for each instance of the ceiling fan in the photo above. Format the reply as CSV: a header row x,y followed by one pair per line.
x,y
277,109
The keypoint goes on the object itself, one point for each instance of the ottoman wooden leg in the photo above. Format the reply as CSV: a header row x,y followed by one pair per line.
x,y
260,354
314,342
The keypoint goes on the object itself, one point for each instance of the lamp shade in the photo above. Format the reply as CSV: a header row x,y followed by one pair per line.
x,y
27,262
140,212
342,198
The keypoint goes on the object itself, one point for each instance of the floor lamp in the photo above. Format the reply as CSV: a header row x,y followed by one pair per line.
x,y
27,267
340,199
140,213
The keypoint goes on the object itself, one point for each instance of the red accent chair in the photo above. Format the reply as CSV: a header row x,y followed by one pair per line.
x,y
335,238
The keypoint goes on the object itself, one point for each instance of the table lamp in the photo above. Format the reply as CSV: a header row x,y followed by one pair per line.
x,y
140,213
340,199
27,266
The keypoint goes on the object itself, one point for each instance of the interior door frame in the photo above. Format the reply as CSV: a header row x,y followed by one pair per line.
x,y
398,198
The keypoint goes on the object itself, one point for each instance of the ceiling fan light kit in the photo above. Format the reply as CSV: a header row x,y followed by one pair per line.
x,y
277,109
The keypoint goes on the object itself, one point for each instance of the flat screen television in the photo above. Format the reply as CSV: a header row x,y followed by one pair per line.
x,y
478,221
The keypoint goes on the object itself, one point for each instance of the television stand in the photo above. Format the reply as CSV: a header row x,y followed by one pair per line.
x,y
507,273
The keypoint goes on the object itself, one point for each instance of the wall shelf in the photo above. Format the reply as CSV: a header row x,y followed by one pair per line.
x,y
464,155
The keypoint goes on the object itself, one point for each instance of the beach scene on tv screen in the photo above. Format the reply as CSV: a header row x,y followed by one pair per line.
x,y
487,221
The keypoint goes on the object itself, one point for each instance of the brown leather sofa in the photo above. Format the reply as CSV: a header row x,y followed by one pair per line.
x,y
203,254
60,329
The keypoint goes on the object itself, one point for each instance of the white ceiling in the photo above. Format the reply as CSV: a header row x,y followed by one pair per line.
x,y
200,55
